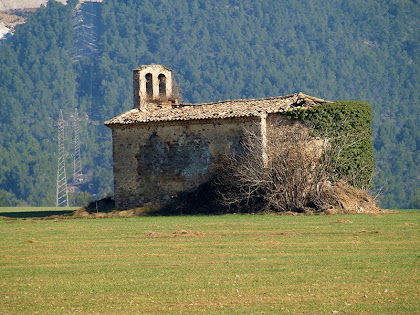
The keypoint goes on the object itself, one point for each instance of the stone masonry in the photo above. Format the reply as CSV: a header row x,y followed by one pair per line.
x,y
162,148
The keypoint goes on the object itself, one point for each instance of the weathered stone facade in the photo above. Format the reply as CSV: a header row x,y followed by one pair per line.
x,y
161,148
153,162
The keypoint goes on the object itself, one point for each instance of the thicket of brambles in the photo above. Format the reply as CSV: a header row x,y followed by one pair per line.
x,y
224,49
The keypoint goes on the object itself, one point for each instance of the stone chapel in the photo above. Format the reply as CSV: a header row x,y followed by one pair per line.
x,y
162,147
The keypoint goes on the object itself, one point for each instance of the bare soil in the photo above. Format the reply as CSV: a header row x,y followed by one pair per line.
x,y
83,213
24,4
179,233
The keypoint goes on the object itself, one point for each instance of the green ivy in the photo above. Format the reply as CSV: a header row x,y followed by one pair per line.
x,y
348,125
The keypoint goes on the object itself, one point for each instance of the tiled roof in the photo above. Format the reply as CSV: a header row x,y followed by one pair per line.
x,y
218,110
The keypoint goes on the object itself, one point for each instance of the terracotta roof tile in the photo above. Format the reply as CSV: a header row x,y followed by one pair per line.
x,y
218,110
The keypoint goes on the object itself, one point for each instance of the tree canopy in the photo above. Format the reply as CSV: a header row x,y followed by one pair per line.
x,y
219,49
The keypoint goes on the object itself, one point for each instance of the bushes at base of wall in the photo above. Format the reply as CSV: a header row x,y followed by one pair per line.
x,y
348,125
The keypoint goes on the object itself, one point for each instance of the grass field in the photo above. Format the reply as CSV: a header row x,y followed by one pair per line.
x,y
240,264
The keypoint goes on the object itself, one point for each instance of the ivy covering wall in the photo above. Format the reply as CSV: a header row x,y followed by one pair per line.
x,y
348,126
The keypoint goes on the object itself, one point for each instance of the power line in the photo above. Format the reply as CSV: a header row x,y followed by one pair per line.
x,y
62,185
62,193
77,162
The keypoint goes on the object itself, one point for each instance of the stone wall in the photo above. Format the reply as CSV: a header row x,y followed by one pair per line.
x,y
155,161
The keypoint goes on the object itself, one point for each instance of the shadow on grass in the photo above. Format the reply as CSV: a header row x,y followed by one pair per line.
x,y
104,205
198,201
36,214
203,200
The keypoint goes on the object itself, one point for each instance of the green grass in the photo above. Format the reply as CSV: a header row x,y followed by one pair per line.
x,y
241,264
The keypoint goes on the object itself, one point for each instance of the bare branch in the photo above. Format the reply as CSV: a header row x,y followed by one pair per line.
x,y
296,176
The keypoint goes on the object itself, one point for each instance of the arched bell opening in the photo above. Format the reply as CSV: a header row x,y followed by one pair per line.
x,y
149,85
162,85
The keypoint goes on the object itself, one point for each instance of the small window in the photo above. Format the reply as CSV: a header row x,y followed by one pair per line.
x,y
149,85
162,84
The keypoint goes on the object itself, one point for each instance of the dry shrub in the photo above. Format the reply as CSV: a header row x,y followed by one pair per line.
x,y
288,170
285,171
347,199
176,91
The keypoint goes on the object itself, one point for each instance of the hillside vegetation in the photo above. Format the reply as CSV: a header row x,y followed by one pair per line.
x,y
351,50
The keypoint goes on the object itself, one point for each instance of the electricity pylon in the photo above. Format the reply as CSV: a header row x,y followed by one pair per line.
x,y
62,193
77,163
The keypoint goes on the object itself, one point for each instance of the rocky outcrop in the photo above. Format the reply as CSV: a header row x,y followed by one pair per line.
x,y
23,4
15,12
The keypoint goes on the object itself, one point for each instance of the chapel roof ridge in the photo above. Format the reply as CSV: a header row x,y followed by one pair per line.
x,y
240,100
217,110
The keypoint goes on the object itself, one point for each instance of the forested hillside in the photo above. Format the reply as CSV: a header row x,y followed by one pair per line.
x,y
219,49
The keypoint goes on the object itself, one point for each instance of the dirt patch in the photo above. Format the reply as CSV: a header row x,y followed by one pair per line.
x,y
24,4
83,213
343,221
372,232
186,233
156,234
105,208
12,18
179,233
288,233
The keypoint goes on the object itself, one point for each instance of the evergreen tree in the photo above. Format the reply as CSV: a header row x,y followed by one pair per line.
x,y
353,50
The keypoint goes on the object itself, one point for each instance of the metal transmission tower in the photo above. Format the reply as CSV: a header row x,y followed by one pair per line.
x,y
62,194
77,163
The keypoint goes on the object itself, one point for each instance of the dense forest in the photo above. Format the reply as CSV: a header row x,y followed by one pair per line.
x,y
219,49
